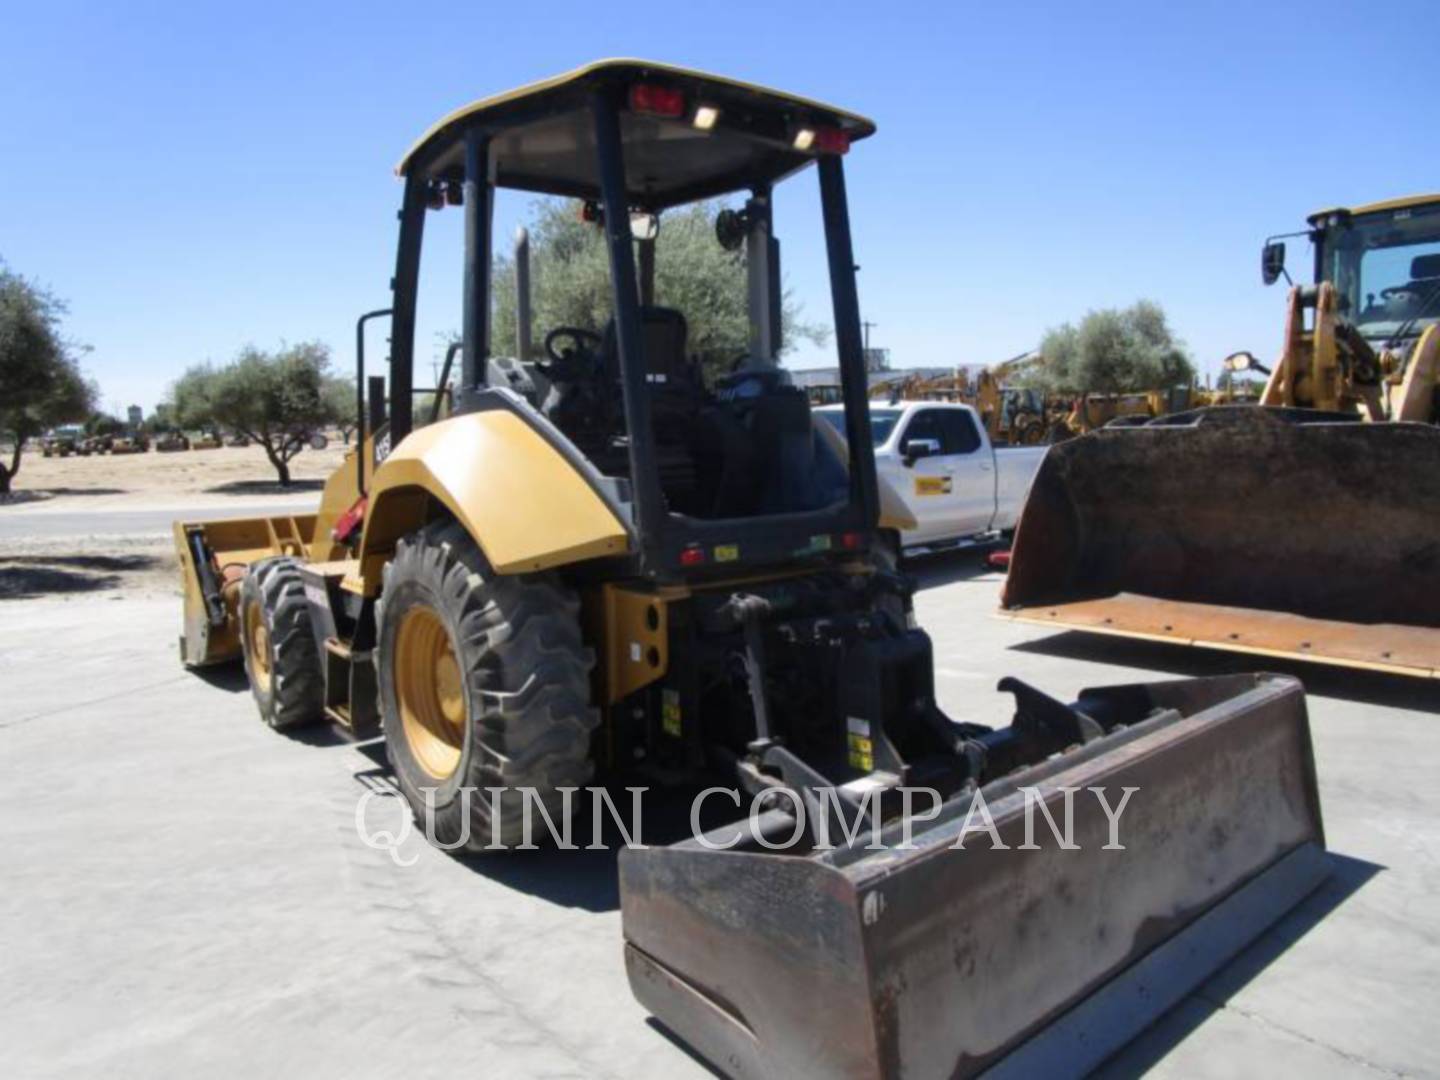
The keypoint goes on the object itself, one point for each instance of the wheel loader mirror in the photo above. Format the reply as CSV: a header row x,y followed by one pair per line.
x,y
1272,262
1243,360
915,449
730,228
644,226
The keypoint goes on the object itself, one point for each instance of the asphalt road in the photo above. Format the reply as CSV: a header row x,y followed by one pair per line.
x,y
25,523
186,894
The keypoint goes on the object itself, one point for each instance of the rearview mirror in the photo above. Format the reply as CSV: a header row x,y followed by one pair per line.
x,y
915,449
730,227
1240,361
1272,261
644,226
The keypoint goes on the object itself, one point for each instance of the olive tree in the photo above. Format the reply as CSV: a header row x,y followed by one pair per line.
x,y
1112,351
40,380
277,399
570,281
191,406
340,399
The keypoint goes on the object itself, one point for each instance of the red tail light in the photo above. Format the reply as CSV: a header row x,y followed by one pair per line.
x,y
831,141
851,541
821,140
692,556
655,100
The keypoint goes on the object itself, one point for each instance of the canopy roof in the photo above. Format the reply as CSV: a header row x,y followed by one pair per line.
x,y
1404,203
542,138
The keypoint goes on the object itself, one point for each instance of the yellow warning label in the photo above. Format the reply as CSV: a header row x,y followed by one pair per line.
x,y
670,712
727,552
862,752
932,485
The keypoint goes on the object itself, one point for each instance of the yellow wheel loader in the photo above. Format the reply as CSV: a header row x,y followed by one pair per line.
x,y
1318,541
611,559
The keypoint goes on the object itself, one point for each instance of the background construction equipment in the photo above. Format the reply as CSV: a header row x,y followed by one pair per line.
x,y
1324,545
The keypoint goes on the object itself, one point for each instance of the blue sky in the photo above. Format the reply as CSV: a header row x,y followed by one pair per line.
x,y
194,177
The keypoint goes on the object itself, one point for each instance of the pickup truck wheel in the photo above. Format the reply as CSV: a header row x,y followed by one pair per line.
x,y
484,682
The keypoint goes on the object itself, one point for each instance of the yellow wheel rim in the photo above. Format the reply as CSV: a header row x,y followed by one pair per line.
x,y
430,692
257,641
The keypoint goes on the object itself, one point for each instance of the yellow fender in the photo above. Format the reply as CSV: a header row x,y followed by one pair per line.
x,y
528,506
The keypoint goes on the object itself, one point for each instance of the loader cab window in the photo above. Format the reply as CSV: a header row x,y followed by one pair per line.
x,y
1386,269
732,436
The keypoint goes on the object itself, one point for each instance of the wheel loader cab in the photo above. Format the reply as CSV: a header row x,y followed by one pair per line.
x,y
709,459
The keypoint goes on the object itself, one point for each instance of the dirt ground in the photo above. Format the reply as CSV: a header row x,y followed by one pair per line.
x,y
89,494
186,478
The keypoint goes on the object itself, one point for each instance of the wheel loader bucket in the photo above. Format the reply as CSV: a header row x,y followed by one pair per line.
x,y
212,557
1281,532
929,960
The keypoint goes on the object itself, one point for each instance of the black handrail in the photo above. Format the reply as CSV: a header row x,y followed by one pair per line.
x,y
444,378
360,393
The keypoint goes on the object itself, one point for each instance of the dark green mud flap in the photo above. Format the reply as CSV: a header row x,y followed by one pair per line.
x,y
933,961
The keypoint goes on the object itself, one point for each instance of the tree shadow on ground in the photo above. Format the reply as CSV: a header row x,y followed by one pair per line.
x,y
1320,680
24,577
28,495
1145,1051
264,487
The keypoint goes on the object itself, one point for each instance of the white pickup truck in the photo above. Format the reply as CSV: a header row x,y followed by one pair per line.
x,y
937,457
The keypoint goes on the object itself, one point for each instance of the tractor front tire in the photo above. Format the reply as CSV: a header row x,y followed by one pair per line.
x,y
282,660
484,683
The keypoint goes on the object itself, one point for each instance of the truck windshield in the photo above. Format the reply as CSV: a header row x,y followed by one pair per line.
x,y
1386,269
882,422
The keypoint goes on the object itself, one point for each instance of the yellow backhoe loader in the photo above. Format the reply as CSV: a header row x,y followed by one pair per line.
x,y
1320,542
613,559
1013,415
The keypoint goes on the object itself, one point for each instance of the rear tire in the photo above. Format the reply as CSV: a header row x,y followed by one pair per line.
x,y
484,683
281,657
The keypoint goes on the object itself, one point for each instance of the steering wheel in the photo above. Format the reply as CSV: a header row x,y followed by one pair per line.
x,y
582,342
1394,290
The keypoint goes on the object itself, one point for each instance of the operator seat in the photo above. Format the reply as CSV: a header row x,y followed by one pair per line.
x,y
677,396
1425,268
664,334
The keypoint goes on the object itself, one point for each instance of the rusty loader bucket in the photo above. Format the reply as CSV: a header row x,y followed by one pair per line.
x,y
1281,532
931,960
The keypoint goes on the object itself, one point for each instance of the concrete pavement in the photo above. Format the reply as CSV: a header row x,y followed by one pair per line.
x,y
186,893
